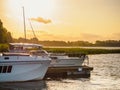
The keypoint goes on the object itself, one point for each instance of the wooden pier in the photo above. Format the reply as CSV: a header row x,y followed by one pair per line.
x,y
69,72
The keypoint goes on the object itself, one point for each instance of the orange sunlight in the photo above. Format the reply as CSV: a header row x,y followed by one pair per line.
x,y
33,8
68,20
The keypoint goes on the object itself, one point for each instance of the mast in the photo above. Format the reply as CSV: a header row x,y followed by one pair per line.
x,y
24,23
32,28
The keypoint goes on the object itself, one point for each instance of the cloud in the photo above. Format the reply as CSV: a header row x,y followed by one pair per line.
x,y
41,20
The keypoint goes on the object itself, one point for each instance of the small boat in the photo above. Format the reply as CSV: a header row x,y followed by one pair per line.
x,y
19,65
64,60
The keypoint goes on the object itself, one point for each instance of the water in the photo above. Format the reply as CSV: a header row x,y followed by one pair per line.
x,y
105,76
83,47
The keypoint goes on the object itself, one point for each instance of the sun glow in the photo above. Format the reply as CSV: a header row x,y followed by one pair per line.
x,y
33,8
63,19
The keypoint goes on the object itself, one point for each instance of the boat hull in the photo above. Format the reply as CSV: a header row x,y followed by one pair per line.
x,y
23,71
66,62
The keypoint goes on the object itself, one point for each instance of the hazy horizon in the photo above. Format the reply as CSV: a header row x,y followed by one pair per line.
x,y
63,20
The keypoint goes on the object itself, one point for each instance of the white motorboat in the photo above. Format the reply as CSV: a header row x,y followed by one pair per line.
x,y
19,65
63,60
16,66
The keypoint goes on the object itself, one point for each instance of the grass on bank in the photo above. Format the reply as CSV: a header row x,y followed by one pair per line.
x,y
5,47
82,50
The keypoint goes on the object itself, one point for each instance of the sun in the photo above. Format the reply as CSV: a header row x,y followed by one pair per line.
x,y
33,8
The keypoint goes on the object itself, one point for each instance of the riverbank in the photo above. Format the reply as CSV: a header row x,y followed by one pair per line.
x,y
71,50
82,50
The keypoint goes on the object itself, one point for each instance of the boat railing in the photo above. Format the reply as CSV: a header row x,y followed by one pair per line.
x,y
15,54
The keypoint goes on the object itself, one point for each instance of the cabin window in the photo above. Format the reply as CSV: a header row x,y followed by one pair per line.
x,y
9,69
5,69
6,58
53,57
0,69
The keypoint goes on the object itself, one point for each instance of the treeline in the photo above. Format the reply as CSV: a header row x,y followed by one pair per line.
x,y
110,43
107,43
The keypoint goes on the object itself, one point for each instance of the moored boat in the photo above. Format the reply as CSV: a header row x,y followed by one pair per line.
x,y
64,60
16,66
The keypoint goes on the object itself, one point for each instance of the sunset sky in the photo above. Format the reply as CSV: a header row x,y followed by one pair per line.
x,y
67,20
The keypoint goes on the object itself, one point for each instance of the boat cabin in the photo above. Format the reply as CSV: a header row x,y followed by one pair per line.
x,y
23,47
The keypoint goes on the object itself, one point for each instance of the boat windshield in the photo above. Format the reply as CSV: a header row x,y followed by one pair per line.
x,y
38,52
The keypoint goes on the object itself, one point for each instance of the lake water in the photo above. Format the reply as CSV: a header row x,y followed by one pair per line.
x,y
83,47
105,76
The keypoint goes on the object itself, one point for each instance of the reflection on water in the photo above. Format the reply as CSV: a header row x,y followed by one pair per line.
x,y
105,76
106,71
32,85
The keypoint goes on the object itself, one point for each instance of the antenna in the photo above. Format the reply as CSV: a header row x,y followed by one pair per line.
x,y
24,23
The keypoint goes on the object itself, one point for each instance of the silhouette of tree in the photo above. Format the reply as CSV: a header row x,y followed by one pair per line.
x,y
5,36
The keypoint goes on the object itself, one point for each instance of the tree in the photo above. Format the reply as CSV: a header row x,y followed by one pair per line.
x,y
5,36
